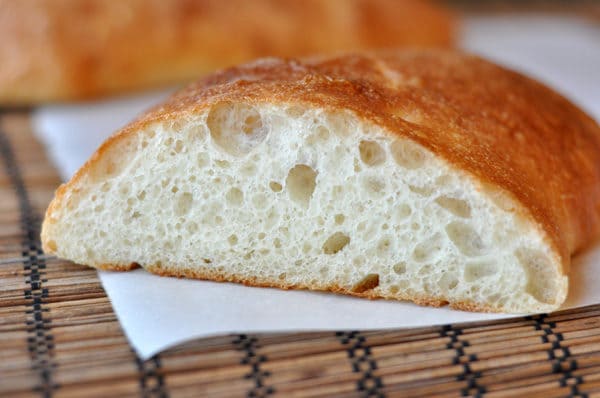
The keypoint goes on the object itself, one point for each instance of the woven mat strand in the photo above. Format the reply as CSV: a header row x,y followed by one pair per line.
x,y
59,336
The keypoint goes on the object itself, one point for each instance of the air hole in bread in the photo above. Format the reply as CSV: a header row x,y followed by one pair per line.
x,y
480,269
320,135
224,164
358,261
371,153
236,128
284,231
447,282
423,191
339,218
465,238
234,197
458,207
233,240
400,268
369,282
374,186
401,212
384,246
541,278
428,249
357,168
443,180
407,154
306,247
192,227
202,160
124,189
300,184
259,201
178,146
248,169
424,271
335,243
275,186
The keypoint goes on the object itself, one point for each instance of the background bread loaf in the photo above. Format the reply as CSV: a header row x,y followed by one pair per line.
x,y
56,50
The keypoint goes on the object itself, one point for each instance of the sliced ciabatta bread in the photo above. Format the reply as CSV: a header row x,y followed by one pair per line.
x,y
430,176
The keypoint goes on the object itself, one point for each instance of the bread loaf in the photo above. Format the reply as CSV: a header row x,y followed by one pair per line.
x,y
56,50
430,176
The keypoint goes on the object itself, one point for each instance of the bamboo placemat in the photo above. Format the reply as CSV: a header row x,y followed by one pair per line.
x,y
59,335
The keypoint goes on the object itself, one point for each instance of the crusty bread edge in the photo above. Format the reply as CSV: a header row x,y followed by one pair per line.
x,y
206,274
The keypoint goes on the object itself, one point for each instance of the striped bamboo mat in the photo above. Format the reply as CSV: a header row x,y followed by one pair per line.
x,y
59,336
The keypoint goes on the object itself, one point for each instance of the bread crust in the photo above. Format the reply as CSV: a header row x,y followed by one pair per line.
x,y
513,135
111,47
208,274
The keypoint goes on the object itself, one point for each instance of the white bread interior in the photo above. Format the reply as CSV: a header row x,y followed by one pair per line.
x,y
290,196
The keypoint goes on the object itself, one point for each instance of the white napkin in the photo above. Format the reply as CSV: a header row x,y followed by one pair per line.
x,y
157,313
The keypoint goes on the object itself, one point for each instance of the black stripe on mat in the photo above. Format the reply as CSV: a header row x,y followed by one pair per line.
x,y
363,363
40,341
152,381
249,345
474,387
562,361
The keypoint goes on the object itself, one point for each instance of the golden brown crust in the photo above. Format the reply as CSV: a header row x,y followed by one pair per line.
x,y
118,267
73,49
204,273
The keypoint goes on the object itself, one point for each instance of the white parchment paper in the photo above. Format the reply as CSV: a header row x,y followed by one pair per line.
x,y
157,313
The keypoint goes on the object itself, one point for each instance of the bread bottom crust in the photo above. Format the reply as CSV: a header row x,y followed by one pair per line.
x,y
117,267
203,273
